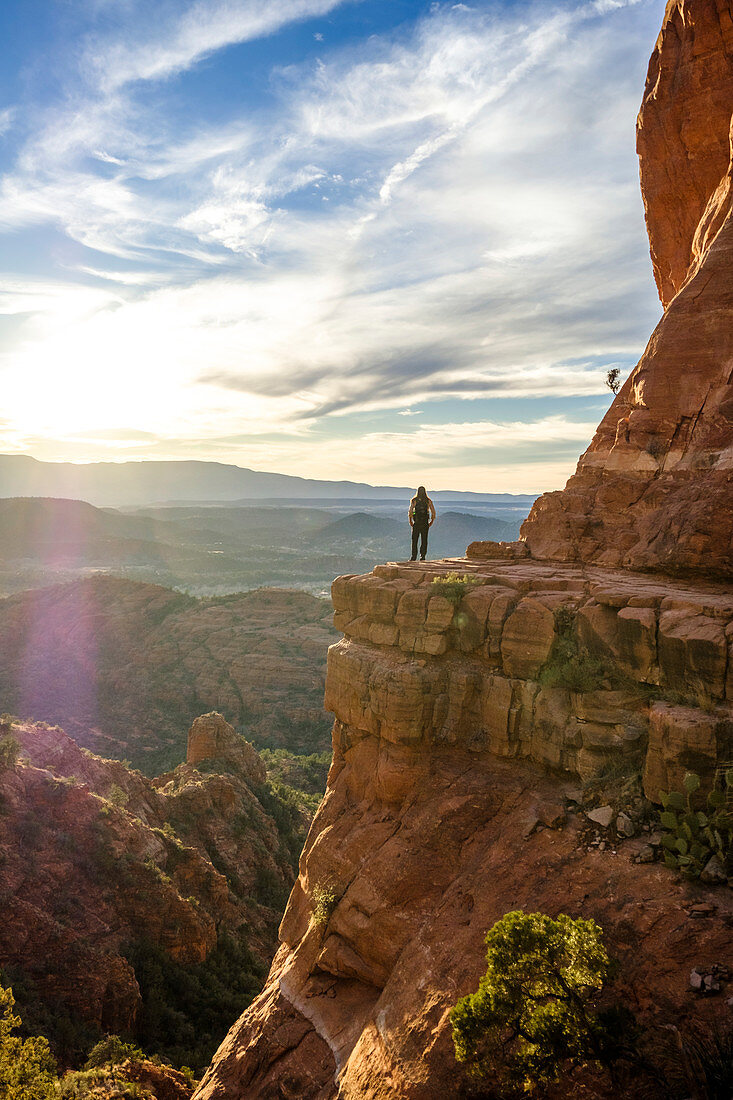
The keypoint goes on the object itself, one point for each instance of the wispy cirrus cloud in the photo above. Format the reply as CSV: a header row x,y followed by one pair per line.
x,y
447,212
172,37
7,115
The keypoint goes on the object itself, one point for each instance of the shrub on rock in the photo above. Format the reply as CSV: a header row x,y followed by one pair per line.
x,y
532,1016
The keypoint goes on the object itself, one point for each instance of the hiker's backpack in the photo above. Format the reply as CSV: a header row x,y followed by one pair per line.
x,y
420,511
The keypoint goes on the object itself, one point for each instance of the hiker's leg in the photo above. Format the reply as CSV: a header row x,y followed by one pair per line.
x,y
415,533
424,541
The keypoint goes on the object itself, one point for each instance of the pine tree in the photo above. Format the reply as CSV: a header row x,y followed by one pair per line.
x,y
27,1068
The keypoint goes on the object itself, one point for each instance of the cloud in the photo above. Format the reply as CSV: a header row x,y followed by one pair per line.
x,y
483,234
479,456
7,116
179,41
232,223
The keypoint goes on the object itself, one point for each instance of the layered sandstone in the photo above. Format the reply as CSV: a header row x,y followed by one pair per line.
x,y
655,488
454,763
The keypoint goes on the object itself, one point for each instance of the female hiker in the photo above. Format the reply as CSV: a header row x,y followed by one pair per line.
x,y
422,516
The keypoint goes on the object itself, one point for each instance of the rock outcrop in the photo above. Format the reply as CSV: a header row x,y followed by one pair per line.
x,y
212,738
458,747
654,490
150,1080
683,138
95,858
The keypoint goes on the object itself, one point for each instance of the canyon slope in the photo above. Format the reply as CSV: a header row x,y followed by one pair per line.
x,y
125,667
502,737
654,490
134,906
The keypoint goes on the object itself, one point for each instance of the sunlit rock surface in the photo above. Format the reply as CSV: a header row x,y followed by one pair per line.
x,y
655,488
446,807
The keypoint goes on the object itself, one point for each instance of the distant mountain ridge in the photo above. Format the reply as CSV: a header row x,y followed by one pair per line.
x,y
124,667
216,548
450,533
117,484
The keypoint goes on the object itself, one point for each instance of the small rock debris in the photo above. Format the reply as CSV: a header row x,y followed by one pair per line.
x,y
707,980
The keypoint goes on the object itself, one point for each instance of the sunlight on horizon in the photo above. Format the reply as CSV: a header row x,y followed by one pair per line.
x,y
335,243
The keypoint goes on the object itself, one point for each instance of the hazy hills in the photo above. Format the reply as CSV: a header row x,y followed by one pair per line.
x,y
115,484
125,667
215,549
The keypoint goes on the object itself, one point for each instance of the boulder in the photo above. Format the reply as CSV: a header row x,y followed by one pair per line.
x,y
684,739
714,873
693,653
602,816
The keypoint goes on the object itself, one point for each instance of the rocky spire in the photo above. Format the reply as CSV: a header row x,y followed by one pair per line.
x,y
655,488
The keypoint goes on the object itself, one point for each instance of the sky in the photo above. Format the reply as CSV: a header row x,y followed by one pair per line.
x,y
392,241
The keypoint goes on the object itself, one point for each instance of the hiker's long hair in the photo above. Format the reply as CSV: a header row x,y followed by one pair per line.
x,y
421,494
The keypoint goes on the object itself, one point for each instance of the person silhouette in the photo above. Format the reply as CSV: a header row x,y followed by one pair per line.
x,y
421,514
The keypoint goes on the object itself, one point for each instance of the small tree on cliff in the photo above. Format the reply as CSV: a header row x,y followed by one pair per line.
x,y
531,1016
27,1068
9,749
613,379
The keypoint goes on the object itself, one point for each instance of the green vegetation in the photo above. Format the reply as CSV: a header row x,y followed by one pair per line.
x,y
306,774
69,1037
324,900
532,1016
117,796
693,834
100,1070
111,1051
9,749
572,667
86,1083
454,586
187,1010
27,1069
291,811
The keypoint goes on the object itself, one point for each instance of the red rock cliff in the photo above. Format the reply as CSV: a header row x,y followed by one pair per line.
x,y
450,801
655,488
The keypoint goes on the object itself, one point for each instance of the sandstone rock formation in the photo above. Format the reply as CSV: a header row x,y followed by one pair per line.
x,y
455,738
683,138
211,738
655,488
96,857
